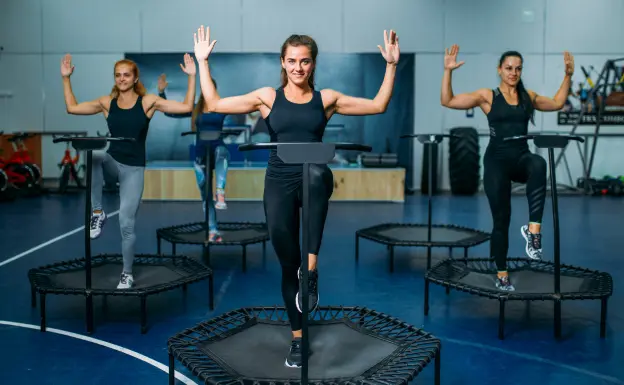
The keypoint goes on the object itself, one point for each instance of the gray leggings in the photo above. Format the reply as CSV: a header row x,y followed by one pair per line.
x,y
130,192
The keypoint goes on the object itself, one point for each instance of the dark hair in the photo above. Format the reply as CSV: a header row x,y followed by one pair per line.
x,y
523,95
296,41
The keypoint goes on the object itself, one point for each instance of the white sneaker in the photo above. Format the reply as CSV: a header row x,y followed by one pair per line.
x,y
97,222
126,281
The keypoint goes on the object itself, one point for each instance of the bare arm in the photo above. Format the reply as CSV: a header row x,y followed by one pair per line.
x,y
72,106
173,106
349,105
242,104
462,101
544,103
163,95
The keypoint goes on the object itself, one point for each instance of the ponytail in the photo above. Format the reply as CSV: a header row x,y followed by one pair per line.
x,y
525,101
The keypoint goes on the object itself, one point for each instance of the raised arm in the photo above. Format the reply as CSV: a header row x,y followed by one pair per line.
x,y
173,106
462,101
162,85
242,104
544,103
72,106
336,102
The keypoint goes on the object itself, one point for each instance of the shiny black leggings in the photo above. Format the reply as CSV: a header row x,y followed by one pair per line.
x,y
501,167
282,201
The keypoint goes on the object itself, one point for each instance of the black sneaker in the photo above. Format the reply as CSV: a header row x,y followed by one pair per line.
x,y
503,283
313,296
293,360
533,243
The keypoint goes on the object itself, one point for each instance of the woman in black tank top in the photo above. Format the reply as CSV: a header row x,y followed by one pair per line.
x,y
296,112
128,110
509,109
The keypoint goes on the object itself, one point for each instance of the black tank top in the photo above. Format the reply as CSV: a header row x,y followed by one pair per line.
x,y
128,123
506,120
293,122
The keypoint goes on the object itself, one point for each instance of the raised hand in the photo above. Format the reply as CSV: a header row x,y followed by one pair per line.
x,y
162,83
189,65
450,58
568,61
391,50
66,66
203,45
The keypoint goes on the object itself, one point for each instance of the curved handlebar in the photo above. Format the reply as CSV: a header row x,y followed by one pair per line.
x,y
91,139
273,146
438,135
545,136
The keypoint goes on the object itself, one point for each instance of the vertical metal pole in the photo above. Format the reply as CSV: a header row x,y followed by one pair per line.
x,y
304,268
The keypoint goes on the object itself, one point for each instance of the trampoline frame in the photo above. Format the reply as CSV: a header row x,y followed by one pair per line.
x,y
39,284
418,349
372,233
169,233
550,142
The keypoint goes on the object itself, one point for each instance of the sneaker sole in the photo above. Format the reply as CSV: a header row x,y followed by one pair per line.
x,y
286,364
526,248
311,310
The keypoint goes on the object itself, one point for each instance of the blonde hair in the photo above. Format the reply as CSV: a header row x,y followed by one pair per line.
x,y
139,88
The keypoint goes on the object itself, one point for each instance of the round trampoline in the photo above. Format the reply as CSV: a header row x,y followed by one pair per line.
x,y
196,233
349,345
427,235
339,344
98,275
533,280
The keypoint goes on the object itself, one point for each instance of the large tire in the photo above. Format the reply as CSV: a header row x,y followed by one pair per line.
x,y
464,167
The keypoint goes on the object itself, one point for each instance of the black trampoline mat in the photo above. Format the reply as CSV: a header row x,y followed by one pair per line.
x,y
228,235
529,281
419,234
338,351
106,276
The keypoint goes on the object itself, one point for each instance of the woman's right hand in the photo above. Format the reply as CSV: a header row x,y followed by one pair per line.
x,y
450,58
203,45
66,66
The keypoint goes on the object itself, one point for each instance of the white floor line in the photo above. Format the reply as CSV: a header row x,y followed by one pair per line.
x,y
118,348
51,241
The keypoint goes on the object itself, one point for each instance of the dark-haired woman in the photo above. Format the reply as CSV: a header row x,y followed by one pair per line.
x,y
296,112
509,109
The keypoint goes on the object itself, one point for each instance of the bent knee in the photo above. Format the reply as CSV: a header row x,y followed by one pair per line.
x,y
321,179
538,164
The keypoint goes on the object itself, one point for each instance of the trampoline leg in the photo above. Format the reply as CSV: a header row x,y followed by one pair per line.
x,y
603,318
357,248
211,291
244,258
501,320
557,318
450,252
171,369
448,290
89,300
426,297
42,298
33,296
173,248
391,251
158,245
143,314
437,365
264,250
428,257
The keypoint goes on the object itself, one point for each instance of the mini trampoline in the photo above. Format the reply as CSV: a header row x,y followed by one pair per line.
x,y
98,275
533,280
196,233
349,345
427,235
339,344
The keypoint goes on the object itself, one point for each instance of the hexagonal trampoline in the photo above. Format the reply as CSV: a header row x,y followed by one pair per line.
x,y
348,344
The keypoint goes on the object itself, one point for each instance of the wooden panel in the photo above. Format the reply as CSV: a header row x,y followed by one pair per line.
x,y
248,184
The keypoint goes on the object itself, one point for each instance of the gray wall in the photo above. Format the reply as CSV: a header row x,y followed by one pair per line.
x,y
35,34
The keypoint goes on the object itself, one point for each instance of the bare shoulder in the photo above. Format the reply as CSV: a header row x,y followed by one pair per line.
x,y
265,93
329,96
105,101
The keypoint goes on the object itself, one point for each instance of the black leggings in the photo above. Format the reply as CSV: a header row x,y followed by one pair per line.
x,y
499,172
282,201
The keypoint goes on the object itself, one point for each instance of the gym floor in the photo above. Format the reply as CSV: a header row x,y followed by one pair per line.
x,y
38,231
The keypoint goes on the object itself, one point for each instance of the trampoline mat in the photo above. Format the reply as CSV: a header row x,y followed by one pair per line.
x,y
228,235
529,281
419,234
337,351
106,276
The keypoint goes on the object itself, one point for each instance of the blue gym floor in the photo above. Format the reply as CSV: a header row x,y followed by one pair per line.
x,y
591,236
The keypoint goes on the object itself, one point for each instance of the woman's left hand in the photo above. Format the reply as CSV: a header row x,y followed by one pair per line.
x,y
391,52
